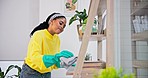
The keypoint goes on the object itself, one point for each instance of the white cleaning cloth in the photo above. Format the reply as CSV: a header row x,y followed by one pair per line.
x,y
67,62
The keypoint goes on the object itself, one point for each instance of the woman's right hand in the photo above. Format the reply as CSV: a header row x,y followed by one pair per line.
x,y
64,53
49,60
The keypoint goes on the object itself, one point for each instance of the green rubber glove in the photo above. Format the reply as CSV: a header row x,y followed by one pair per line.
x,y
73,65
64,53
50,60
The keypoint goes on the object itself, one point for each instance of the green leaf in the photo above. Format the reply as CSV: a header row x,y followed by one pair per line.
x,y
19,69
0,69
9,68
81,16
77,12
74,1
73,19
85,21
1,74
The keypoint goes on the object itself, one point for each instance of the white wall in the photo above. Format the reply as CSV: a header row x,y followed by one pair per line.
x,y
19,17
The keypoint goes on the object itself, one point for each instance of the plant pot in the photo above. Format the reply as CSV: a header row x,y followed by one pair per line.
x,y
80,32
81,29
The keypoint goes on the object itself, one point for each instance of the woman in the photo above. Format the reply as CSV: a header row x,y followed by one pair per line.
x,y
44,48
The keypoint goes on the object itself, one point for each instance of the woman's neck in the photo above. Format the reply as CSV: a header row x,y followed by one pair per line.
x,y
50,31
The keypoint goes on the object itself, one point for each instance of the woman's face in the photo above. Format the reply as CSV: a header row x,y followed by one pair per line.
x,y
57,26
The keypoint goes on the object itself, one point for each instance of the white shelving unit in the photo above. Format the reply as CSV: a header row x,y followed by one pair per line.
x,y
139,39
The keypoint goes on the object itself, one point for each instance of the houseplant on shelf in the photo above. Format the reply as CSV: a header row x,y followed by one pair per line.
x,y
80,16
88,57
4,75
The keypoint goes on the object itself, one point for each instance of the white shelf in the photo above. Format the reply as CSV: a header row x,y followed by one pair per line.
x,y
140,64
139,8
141,36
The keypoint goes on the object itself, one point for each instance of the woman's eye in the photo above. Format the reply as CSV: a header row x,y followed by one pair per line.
x,y
60,23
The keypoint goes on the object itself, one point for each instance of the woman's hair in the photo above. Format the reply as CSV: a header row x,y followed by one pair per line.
x,y
45,24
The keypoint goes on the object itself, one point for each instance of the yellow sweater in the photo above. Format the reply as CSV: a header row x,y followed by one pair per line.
x,y
42,43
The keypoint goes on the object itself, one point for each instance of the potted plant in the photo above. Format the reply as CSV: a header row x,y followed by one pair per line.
x,y
80,16
88,57
111,72
3,75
